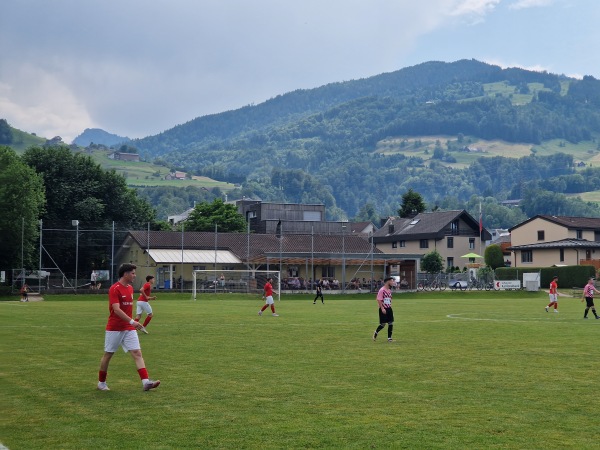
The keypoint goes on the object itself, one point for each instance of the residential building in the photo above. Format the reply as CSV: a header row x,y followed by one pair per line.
x,y
545,240
452,233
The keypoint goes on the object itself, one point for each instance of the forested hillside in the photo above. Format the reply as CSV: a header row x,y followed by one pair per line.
x,y
321,145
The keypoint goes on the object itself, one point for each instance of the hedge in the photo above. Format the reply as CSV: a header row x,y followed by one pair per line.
x,y
568,276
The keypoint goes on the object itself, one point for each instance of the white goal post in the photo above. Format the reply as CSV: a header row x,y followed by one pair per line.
x,y
238,281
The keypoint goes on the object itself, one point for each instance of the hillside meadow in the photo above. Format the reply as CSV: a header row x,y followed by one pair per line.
x,y
466,370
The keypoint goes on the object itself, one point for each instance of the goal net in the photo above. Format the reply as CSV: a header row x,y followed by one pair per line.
x,y
238,281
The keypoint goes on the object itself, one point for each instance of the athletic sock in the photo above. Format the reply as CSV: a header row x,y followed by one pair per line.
x,y
390,330
147,321
143,373
273,309
379,328
102,376
586,313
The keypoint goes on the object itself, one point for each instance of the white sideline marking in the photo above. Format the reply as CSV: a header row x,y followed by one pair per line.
x,y
2,447
458,316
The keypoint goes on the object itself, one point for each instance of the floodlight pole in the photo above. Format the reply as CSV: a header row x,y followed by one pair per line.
x,y
76,223
343,259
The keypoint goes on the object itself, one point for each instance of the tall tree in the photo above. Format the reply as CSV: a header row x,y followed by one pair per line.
x,y
21,203
224,215
412,204
78,189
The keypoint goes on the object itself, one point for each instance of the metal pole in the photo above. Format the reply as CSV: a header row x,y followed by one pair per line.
x,y
343,259
181,274
312,257
41,232
371,284
248,249
22,243
112,253
76,254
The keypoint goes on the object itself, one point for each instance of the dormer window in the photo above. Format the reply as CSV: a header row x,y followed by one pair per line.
x,y
391,228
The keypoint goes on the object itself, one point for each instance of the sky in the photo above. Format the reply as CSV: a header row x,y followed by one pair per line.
x,y
139,67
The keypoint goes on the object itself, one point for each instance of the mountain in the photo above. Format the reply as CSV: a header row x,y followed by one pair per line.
x,y
98,136
366,142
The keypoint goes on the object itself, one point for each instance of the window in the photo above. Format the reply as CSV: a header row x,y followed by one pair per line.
x,y
454,227
597,236
395,244
579,234
391,229
424,243
472,243
450,262
199,267
541,235
311,216
562,254
402,243
450,242
526,256
328,272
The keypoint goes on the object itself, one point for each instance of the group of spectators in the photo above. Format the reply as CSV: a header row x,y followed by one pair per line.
x,y
332,284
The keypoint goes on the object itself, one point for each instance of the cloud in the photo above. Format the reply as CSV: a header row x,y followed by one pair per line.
x,y
41,103
524,4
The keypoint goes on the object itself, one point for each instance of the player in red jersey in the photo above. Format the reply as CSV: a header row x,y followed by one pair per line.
x,y
269,298
143,302
120,329
553,294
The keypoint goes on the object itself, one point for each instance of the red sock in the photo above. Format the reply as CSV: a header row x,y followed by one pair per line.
x,y
273,308
147,321
264,307
102,376
143,374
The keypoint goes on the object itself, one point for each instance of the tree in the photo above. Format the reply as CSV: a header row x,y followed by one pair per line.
x,y
368,213
21,202
77,188
432,262
206,215
493,256
412,204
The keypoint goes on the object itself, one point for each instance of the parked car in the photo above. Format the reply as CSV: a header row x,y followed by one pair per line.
x,y
458,284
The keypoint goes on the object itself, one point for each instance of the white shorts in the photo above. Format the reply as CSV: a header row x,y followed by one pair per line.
x,y
127,339
269,300
553,298
143,307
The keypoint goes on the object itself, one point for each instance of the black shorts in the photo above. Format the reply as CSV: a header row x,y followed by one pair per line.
x,y
388,317
589,301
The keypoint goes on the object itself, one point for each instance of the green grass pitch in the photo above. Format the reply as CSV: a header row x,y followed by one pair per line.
x,y
466,370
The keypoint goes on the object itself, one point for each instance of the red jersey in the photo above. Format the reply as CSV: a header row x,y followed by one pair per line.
x,y
147,288
268,290
553,287
123,295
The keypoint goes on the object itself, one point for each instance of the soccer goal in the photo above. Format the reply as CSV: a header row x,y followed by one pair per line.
x,y
238,281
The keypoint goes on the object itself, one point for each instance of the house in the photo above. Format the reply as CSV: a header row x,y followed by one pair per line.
x,y
168,255
120,156
544,241
175,175
451,233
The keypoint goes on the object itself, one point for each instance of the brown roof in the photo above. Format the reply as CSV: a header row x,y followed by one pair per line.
x,y
427,225
262,246
582,223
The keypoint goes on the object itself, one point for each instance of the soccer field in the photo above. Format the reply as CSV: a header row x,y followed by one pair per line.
x,y
466,370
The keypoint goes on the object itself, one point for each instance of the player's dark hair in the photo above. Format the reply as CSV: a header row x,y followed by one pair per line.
x,y
149,277
126,267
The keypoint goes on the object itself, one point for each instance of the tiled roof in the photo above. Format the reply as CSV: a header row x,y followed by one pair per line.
x,y
426,224
260,244
563,243
583,223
